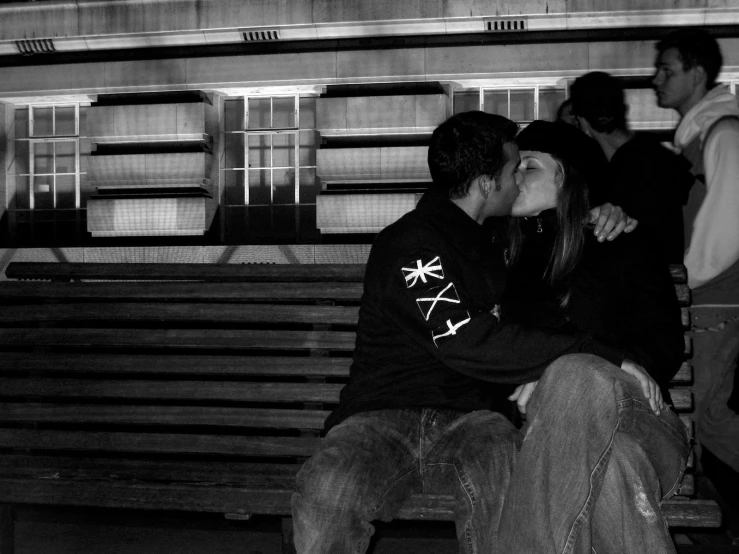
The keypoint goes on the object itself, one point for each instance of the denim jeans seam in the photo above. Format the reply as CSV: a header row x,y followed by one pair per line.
x,y
470,492
600,466
390,483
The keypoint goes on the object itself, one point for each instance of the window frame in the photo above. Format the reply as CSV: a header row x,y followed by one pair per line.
x,y
33,139
536,87
271,132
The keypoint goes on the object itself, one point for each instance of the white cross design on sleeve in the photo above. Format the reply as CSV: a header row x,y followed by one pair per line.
x,y
451,329
431,269
452,298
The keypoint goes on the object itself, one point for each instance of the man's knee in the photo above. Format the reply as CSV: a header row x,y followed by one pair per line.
x,y
331,477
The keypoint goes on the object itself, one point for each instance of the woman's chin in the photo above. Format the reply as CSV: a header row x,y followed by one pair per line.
x,y
520,211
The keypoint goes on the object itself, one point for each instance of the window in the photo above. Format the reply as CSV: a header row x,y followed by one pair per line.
x,y
46,163
269,163
522,105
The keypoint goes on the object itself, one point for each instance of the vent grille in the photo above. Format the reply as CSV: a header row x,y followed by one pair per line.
x,y
261,36
506,24
28,47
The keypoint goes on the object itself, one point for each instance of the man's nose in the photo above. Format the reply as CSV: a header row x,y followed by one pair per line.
x,y
656,80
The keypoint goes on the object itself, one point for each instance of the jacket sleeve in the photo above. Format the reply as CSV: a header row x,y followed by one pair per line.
x,y
713,246
431,303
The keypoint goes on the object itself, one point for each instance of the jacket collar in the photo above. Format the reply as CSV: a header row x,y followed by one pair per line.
x,y
468,236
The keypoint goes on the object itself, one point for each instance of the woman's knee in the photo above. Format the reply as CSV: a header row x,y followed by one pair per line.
x,y
580,372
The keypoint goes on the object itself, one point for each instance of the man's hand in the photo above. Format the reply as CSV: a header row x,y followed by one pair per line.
x,y
522,394
610,221
648,385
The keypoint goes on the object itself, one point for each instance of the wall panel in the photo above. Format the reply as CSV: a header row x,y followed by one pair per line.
x,y
138,16
360,66
475,62
147,74
287,69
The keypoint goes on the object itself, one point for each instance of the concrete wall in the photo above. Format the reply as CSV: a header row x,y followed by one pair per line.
x,y
80,18
330,68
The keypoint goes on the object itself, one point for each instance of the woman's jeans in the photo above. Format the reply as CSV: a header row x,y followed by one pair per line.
x,y
371,462
594,464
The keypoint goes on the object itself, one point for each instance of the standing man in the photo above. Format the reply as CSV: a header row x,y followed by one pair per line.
x,y
688,63
435,359
641,175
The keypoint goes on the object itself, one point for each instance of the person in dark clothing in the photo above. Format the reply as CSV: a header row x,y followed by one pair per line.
x,y
647,180
563,280
434,360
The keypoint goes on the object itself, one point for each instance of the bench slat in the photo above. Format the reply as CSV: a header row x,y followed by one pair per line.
x,y
156,443
194,391
222,499
199,391
177,364
290,273
252,474
218,313
197,364
207,339
36,292
161,415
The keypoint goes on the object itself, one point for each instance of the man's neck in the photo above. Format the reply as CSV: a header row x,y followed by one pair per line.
x,y
610,142
471,207
698,94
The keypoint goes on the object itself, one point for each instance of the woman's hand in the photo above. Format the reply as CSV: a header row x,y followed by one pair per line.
x,y
648,385
610,221
522,395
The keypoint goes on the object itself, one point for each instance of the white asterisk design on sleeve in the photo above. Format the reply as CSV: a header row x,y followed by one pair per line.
x,y
421,271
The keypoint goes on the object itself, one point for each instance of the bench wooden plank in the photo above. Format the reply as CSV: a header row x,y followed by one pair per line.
x,y
205,339
155,443
35,292
217,313
148,389
255,475
197,364
200,391
289,272
284,273
244,474
176,364
224,499
161,415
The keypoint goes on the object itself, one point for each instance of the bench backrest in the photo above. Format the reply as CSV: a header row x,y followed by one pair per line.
x,y
237,366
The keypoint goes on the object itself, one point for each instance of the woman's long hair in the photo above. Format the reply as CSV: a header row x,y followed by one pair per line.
x,y
572,215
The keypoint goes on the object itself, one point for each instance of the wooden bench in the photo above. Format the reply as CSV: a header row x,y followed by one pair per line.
x,y
201,388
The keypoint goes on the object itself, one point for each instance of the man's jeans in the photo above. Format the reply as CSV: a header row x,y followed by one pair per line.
x,y
372,461
594,465
715,352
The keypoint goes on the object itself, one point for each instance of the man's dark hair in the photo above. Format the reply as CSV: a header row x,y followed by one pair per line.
x,y
599,98
696,48
466,146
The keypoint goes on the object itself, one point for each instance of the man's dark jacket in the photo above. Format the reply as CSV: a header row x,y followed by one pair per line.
x,y
430,332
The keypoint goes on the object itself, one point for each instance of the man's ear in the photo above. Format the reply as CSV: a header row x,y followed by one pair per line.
x,y
486,184
699,76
